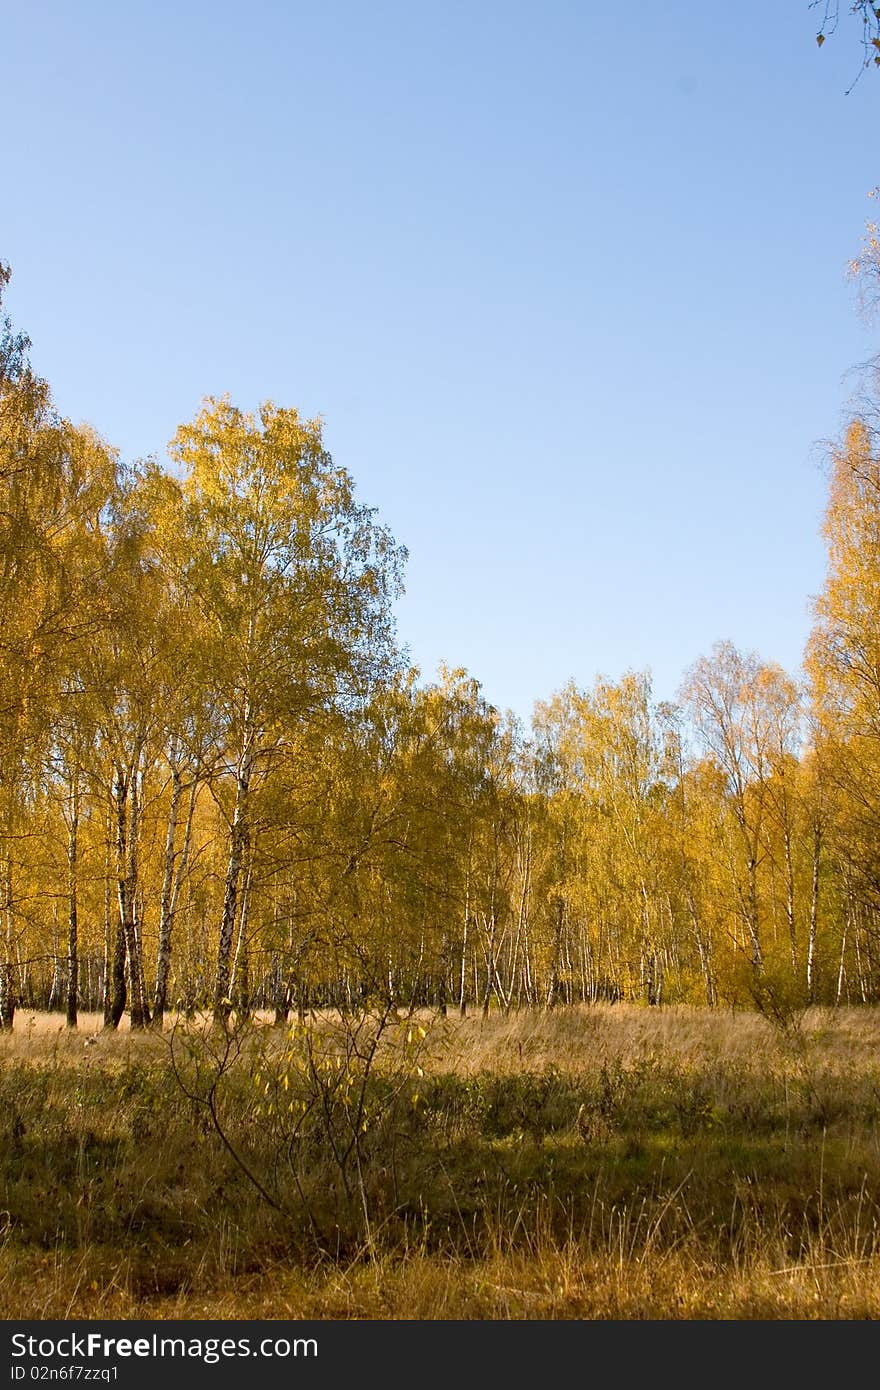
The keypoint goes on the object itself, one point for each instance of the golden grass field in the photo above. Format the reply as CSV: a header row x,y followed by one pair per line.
x,y
603,1162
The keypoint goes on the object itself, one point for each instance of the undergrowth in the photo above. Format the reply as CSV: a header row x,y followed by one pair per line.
x,y
379,1173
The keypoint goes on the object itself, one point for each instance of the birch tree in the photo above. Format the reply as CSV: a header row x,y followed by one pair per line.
x,y
293,580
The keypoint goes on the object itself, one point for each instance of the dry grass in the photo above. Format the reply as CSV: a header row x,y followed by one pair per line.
x,y
575,1039
548,1281
561,1284
571,1039
611,1162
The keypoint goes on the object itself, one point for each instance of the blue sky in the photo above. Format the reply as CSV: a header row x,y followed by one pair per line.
x,y
566,282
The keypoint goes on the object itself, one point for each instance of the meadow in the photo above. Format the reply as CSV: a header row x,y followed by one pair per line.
x,y
603,1162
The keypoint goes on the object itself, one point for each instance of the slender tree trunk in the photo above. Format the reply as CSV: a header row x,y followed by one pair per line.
x,y
125,940
72,903
140,1008
7,997
118,985
841,973
789,898
752,916
703,949
462,992
240,987
442,991
281,994
568,987
490,964
118,989
527,966
55,989
863,993
522,918
238,849
163,949
8,1000
814,915
109,936
174,869
127,829
556,957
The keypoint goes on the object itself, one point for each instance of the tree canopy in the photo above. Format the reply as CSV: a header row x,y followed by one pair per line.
x,y
223,787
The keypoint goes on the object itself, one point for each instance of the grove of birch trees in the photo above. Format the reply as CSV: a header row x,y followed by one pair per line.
x,y
223,789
